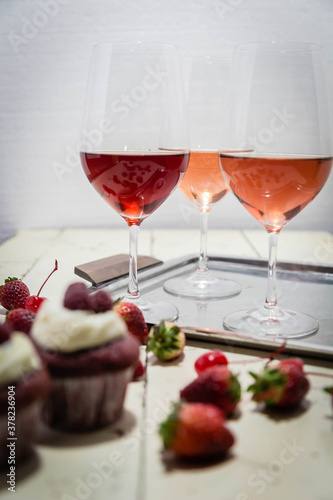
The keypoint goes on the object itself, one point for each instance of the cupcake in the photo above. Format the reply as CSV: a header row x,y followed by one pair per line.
x,y
90,355
24,383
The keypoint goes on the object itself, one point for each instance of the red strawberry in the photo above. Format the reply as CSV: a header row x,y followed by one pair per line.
x,y
13,293
134,319
209,359
196,430
20,320
139,370
166,341
216,385
280,385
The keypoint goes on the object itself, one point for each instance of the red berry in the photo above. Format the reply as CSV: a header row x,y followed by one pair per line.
x,y
298,362
134,319
196,430
139,370
100,301
33,303
4,333
77,297
20,320
280,385
211,358
13,293
217,386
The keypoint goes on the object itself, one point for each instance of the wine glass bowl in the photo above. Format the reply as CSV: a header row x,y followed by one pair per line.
x,y
277,158
203,184
134,140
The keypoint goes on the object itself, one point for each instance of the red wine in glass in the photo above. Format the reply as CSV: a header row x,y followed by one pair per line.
x,y
134,184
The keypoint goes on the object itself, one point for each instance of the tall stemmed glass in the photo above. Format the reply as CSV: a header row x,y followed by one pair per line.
x,y
134,140
279,156
206,80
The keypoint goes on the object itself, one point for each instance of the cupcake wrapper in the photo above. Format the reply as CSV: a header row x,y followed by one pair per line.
x,y
86,403
26,421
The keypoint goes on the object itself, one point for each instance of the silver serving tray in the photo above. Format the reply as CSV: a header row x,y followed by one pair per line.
x,y
306,288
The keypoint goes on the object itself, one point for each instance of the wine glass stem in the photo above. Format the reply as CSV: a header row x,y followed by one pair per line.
x,y
271,298
203,259
133,287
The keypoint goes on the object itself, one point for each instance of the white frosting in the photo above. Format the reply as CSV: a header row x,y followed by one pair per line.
x,y
18,357
59,329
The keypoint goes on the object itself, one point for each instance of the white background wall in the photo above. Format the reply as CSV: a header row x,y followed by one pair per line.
x,y
44,54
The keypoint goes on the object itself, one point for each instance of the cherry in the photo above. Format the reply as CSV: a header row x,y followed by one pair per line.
x,y
34,302
211,358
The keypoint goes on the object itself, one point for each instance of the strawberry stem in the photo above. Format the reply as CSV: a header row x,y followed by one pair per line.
x,y
55,269
269,357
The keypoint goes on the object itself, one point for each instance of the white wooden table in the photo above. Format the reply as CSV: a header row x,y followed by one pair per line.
x,y
285,458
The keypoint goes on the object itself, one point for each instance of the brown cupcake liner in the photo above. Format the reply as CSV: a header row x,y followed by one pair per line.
x,y
88,402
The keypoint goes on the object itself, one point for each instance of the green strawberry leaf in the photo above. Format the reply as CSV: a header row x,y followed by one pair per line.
x,y
268,379
168,427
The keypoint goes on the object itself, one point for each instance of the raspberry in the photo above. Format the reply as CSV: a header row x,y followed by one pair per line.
x,y
100,301
20,320
77,297
13,294
4,333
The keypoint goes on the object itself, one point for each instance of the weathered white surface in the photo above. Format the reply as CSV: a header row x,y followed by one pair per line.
x,y
124,461
44,55
273,457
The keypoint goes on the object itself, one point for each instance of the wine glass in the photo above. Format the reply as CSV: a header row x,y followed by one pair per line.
x,y
134,140
277,158
203,184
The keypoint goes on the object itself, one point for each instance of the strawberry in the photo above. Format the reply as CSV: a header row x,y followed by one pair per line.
x,y
13,294
134,319
216,385
139,370
196,430
20,320
209,359
166,341
280,385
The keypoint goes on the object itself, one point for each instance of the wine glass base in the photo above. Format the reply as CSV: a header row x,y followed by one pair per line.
x,y
202,286
155,312
266,323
